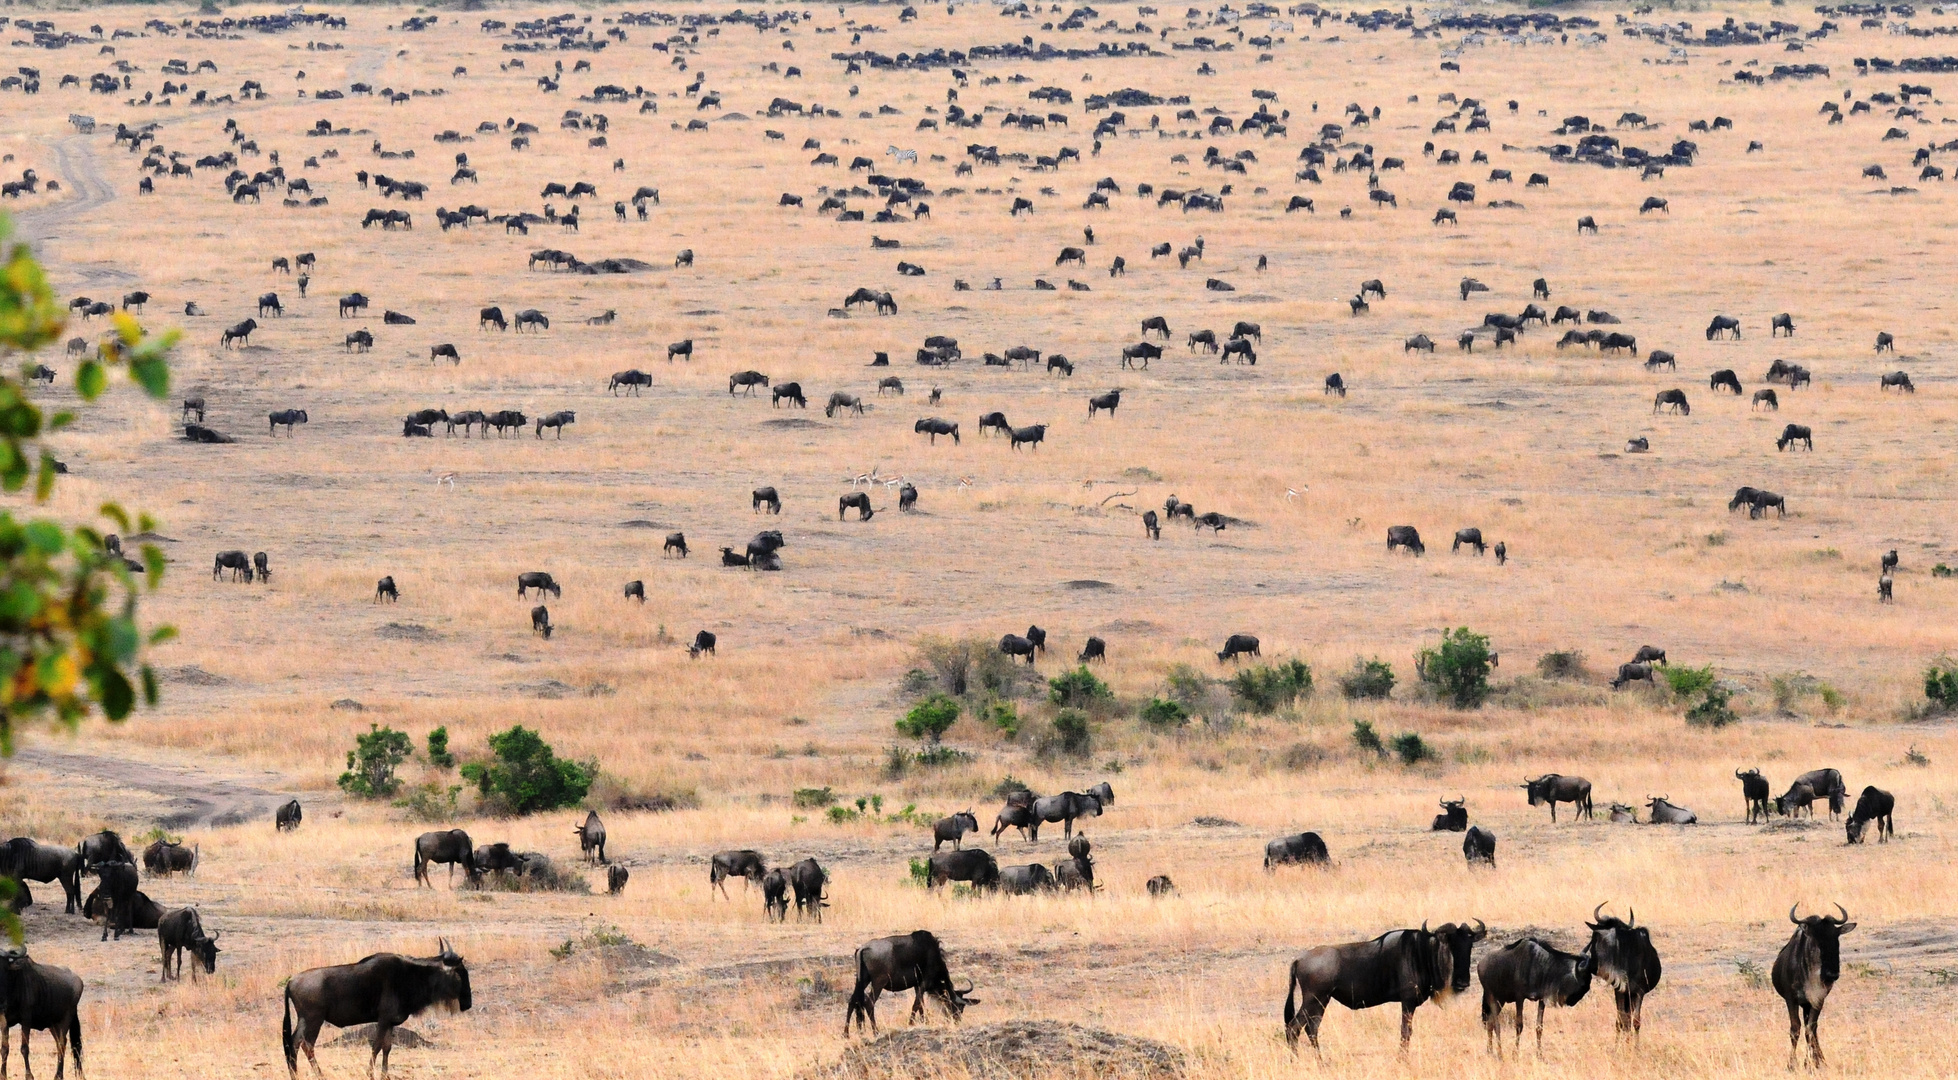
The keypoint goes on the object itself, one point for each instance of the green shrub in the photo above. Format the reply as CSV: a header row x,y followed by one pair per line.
x,y
920,872
1688,682
1370,679
1009,785
812,798
372,761
917,681
931,718
1265,689
438,749
1712,711
431,802
1561,664
1941,570
1367,739
1164,715
526,775
932,757
839,815
1078,689
1004,717
1941,685
1069,734
1412,749
1187,686
1458,667
896,761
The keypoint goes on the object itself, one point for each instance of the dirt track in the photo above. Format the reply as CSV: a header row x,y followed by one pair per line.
x,y
177,797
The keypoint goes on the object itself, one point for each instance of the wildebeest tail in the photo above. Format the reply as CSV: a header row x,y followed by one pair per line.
x,y
285,1017
1291,986
858,1004
74,1040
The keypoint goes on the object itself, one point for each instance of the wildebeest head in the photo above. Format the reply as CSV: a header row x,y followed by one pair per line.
x,y
1453,943
1825,932
1621,951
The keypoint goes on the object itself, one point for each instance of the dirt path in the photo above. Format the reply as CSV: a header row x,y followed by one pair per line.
x,y
81,171
181,798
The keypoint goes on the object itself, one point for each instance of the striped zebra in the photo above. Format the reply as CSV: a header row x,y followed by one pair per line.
x,y
903,156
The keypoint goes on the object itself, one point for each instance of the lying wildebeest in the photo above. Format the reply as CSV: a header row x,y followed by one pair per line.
x,y
1407,967
914,961
1404,536
1453,816
1637,671
1237,645
857,500
40,997
1804,973
1873,805
744,864
1622,955
1094,649
1552,788
1479,846
976,866
953,829
808,878
632,380
1665,812
1305,847
25,859
934,427
1754,788
289,816
1529,970
385,990
384,588
180,932
591,838
452,847
1063,808
165,858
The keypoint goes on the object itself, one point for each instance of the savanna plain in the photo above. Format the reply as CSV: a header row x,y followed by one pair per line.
x,y
784,740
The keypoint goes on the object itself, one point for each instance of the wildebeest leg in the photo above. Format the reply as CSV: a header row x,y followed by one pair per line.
x,y
1519,1029
918,1004
1794,1033
1407,1025
1539,1025
870,1010
384,1045
1812,1018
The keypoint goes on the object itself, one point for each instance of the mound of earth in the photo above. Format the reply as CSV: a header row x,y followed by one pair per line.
x,y
1021,1048
407,632
405,1038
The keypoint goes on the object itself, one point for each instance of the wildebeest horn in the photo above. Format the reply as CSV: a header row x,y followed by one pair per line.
x,y
1791,914
1424,926
968,987
1596,916
1631,916
1845,915
1481,928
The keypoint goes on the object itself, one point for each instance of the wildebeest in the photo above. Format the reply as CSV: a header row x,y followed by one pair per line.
x,y
744,864
1873,805
808,878
635,590
1479,846
1754,788
1724,377
632,380
288,417
557,420
1636,671
766,496
1674,399
775,895
952,829
790,392
182,931
914,961
26,859
1898,379
1106,401
1015,645
1552,788
1622,954
1404,536
1334,385
1026,880
1804,973
241,332
1766,397
289,816
1721,325
1795,433
1665,812
934,427
591,838
1033,435
1529,970
1237,645
452,847
1587,222
674,542
540,581
1471,537
615,879
235,561
844,402
384,588
40,997
1305,847
747,380
1063,808
1094,649
1151,525
976,866
1826,784
540,621
103,847
1407,967
165,858
858,501
385,990
683,349
1016,814
118,888
1453,816
703,642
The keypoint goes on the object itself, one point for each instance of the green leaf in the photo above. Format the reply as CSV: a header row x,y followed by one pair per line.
x,y
46,537
153,564
118,697
44,477
149,686
90,380
152,374
60,420
162,634
116,514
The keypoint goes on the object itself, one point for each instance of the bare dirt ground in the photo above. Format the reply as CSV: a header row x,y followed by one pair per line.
x,y
1608,550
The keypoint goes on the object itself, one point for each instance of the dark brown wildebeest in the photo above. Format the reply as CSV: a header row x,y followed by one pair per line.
x,y
953,829
1422,343
1804,973
26,859
1898,379
615,879
746,380
934,427
775,895
385,990
1471,537
165,858
1016,814
1826,784
179,932
1237,645
1649,654
1873,805
540,621
269,305
1405,536
491,316
240,332
1334,385
1587,222
540,581
744,864
1305,847
808,878
235,561
635,590
857,500
1800,796
1033,435
674,542
632,380
118,888
1783,321
1674,399
913,961
1151,525
1552,788
1143,351
384,589
1754,788
262,565
1015,645
1026,880
1063,808
533,319
1540,289
1724,377
1766,397
1795,433
40,997
1666,812
1407,967
1529,970
766,496
1106,401
1094,649
1156,323
976,866
703,642
1633,672
1479,846
1622,955
452,847
288,417
1885,342
103,847
1453,816
289,816
907,497
557,420
1161,886
591,838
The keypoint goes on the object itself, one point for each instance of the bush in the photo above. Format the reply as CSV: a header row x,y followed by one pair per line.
x,y
526,775
1458,667
1078,689
897,760
1267,689
372,761
931,718
1004,717
431,802
933,757
812,798
1941,570
1069,734
1187,686
1712,711
1165,715
1561,664
1941,686
1367,739
1411,749
539,874
1369,679
1008,786
1688,681
920,872
438,749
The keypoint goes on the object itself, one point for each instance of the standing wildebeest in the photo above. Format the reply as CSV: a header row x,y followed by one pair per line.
x,y
1898,379
1649,654
1141,350
1754,788
1723,324
1764,397
1886,342
1015,645
775,895
164,857
1529,970
1453,816
235,561
289,816
1305,847
1033,435
1404,966
556,420
790,392
1471,537
103,847
288,417
1874,805
1783,321
1157,323
808,878
744,864
846,402
1553,789
1622,955
1637,671
953,829
907,497
1063,808
269,304
119,889
766,496
1027,880
913,961
1334,385
857,500
179,932
1805,972
1094,649
1160,886
1826,784
1106,401
1405,536
591,838
384,588
1016,814
1151,525
39,997
540,581
615,879
491,316
703,642
1795,433
1587,222
25,859
1674,399
674,542
452,847
975,866
747,380
1238,644
1724,377
540,621
1665,812
632,380
385,990
935,426
241,332
1800,796
1479,846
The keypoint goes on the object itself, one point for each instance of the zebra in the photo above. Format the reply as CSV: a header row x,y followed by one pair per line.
x,y
903,156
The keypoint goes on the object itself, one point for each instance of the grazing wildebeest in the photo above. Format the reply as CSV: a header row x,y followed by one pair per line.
x,y
1665,812
1405,536
1724,377
766,496
976,866
1636,671
1033,435
1471,537
1898,379
1419,343
615,879
1622,955
532,318
179,932
744,864
1804,973
1106,401
1453,816
25,859
632,380
1783,321
845,402
540,581
1553,789
674,542
164,858
907,497
775,895
1063,808
935,426
1157,323
1723,324
1873,805
703,642
384,588
952,829
790,392
288,417
1479,846
1766,397
1015,645
1674,399
269,304
1795,433
40,997
857,500
1529,970
1305,847
385,990
1885,342
1161,886
1826,784
491,316
1027,880
591,838
119,889
289,816
808,878
1334,385
1754,788
1587,222
1407,967
540,621
1800,796
452,847
235,561
1237,645
1095,649
1649,654
913,961
1653,202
